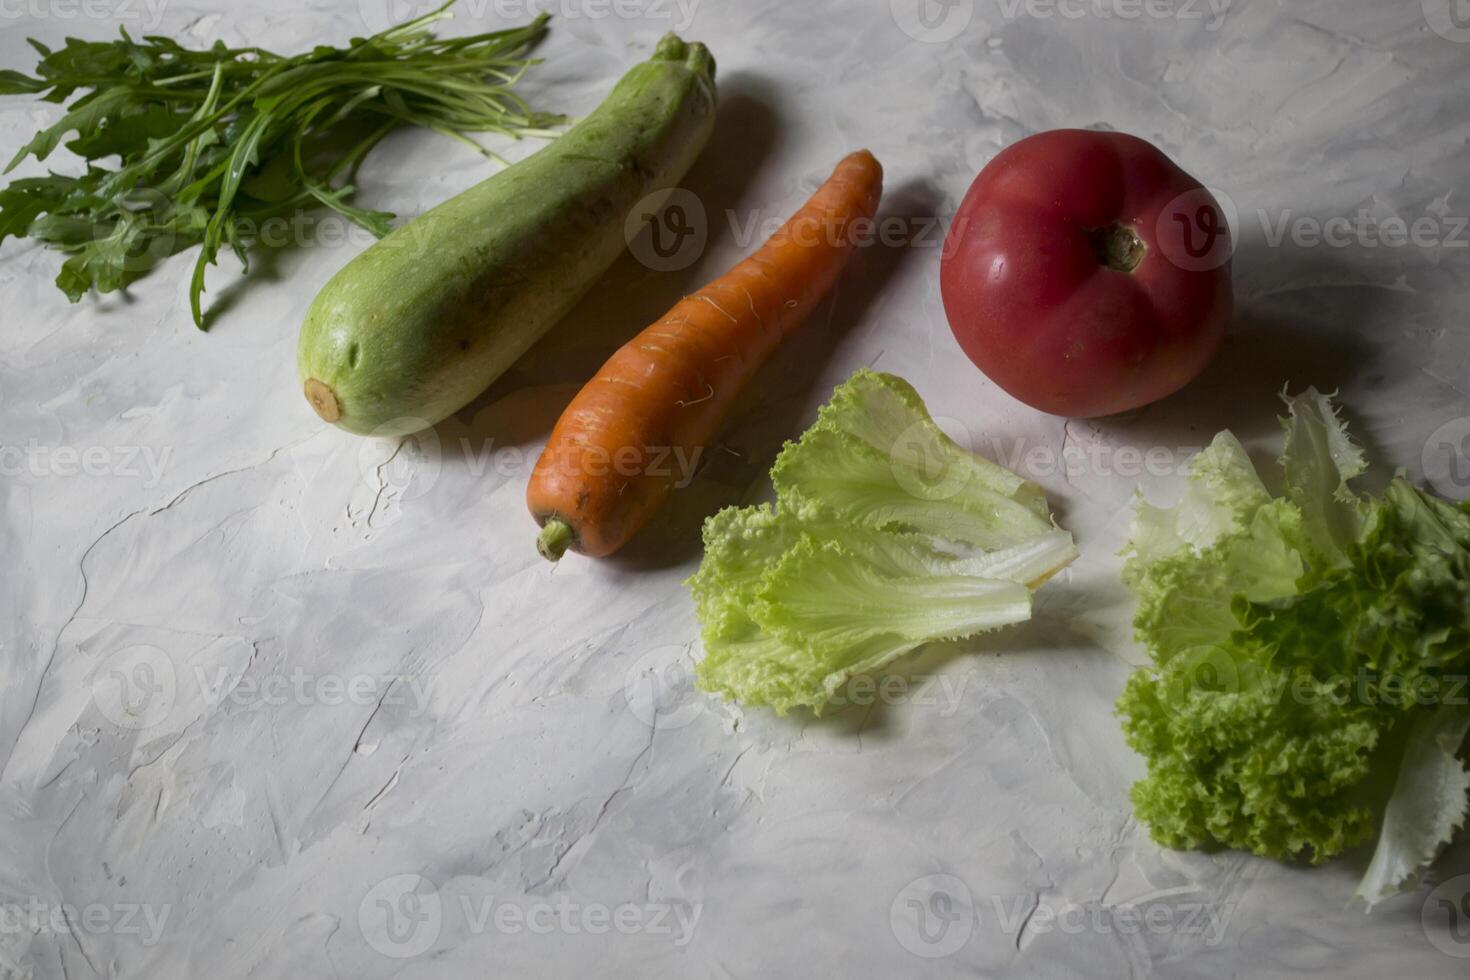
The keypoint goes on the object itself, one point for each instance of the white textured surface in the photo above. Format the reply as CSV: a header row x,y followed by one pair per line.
x,y
271,557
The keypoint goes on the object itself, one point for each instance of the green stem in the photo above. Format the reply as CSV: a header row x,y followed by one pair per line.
x,y
554,540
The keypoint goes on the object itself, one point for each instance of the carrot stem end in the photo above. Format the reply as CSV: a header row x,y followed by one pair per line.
x,y
554,540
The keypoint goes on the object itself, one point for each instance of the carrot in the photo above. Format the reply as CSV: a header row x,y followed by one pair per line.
x,y
613,457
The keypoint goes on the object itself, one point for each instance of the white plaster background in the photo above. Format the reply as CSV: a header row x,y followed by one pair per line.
x,y
505,764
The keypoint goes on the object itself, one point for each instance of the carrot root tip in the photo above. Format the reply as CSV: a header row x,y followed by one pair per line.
x,y
554,540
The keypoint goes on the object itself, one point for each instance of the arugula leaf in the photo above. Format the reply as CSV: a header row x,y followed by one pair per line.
x,y
85,115
217,141
14,83
22,201
128,132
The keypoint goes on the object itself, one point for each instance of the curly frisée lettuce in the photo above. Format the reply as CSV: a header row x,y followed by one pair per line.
x,y
1309,656
886,535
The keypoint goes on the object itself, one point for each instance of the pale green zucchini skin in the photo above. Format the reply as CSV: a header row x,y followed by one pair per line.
x,y
416,326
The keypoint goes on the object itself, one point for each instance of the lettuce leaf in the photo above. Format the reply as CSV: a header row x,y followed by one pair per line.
x,y
1427,806
886,535
1298,644
886,413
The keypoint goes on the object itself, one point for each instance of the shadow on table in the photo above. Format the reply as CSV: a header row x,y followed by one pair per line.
x,y
864,709
1300,321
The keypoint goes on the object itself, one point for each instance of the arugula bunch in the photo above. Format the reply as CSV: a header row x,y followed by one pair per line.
x,y
213,142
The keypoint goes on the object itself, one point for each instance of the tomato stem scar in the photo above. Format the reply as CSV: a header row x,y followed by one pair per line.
x,y
1117,246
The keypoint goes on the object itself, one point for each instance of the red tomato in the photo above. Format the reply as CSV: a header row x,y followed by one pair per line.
x,y
1087,274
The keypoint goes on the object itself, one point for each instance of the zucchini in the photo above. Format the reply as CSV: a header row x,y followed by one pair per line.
x,y
416,326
